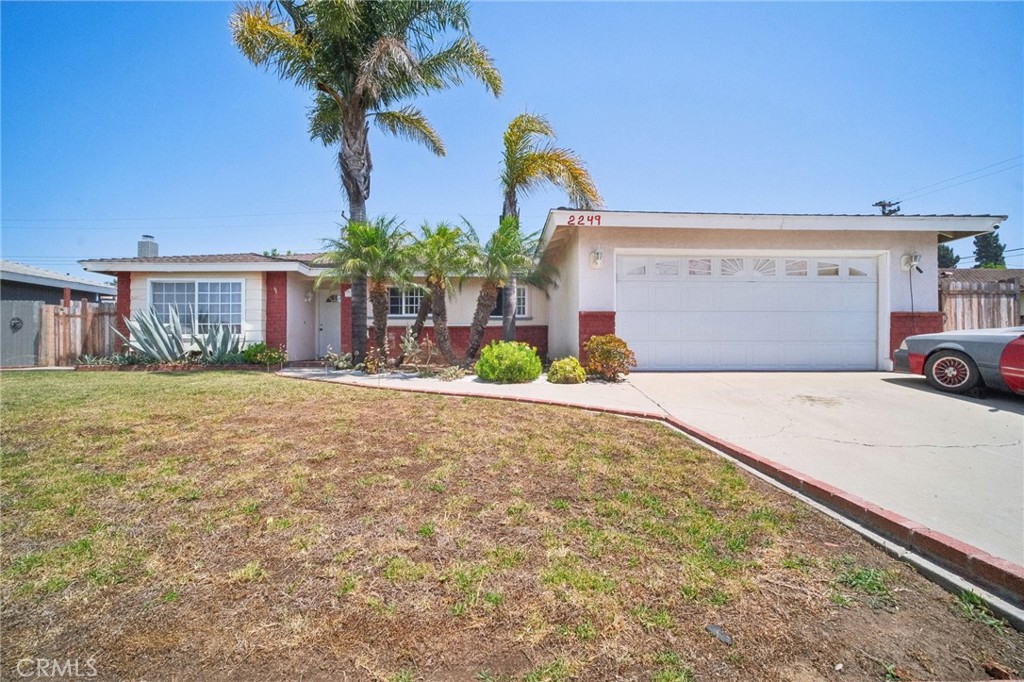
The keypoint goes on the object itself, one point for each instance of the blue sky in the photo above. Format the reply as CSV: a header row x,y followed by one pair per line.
x,y
120,119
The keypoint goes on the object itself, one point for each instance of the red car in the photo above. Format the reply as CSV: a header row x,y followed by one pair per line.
x,y
958,361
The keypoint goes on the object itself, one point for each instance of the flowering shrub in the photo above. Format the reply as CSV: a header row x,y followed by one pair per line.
x,y
608,356
566,371
262,354
508,362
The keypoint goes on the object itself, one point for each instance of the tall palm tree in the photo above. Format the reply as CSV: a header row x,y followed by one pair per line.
x,y
508,254
530,161
363,59
442,253
378,251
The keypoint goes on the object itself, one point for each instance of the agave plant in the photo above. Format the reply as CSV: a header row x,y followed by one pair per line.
x,y
218,345
149,336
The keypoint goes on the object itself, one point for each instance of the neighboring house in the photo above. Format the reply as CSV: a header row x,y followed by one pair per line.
x,y
697,291
979,298
19,282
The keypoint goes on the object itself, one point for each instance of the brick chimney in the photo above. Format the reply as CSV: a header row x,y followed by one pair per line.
x,y
148,247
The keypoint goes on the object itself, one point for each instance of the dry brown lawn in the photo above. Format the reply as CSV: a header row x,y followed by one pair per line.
x,y
243,526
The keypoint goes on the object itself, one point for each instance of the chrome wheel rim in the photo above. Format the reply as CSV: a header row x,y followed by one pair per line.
x,y
951,372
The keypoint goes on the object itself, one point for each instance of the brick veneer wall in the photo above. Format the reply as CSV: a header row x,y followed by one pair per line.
x,y
346,320
594,323
277,308
902,325
124,302
536,335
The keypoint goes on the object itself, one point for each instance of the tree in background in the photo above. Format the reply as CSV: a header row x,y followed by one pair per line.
x,y
363,59
988,251
947,259
530,161
379,252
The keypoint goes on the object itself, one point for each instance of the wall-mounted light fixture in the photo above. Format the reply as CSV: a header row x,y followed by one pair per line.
x,y
596,258
309,296
911,261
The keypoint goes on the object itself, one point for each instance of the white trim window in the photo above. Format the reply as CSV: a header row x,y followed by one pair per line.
x,y
499,305
404,302
214,302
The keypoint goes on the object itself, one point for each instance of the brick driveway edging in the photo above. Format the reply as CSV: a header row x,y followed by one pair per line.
x,y
1002,577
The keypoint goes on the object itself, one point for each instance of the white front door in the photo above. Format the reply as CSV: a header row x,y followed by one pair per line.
x,y
723,312
328,316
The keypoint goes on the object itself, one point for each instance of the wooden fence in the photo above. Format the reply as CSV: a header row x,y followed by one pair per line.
x,y
980,305
82,329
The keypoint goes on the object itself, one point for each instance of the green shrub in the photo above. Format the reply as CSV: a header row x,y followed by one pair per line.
x,y
262,354
508,362
567,371
608,356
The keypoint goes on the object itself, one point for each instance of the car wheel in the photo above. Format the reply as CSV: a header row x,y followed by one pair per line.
x,y
952,371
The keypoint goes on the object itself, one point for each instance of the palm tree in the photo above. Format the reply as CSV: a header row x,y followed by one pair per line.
x,y
377,251
530,161
364,59
507,255
442,252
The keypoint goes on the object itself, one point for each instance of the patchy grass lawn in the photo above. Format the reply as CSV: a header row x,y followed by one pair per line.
x,y
246,526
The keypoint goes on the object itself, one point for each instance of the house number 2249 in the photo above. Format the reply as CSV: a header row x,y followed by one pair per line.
x,y
594,219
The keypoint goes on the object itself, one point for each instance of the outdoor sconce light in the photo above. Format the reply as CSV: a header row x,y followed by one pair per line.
x,y
309,296
597,258
911,261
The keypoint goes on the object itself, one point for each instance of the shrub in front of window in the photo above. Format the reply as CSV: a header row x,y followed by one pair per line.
x,y
567,371
608,356
508,362
219,346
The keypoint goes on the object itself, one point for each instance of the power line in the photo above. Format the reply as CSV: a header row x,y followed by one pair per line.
x,y
903,196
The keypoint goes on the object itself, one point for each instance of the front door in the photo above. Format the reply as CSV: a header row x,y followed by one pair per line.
x,y
328,322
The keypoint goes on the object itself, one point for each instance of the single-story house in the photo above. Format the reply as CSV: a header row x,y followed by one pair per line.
x,y
20,282
689,291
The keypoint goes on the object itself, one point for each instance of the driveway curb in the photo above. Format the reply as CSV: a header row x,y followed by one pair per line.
x,y
1003,578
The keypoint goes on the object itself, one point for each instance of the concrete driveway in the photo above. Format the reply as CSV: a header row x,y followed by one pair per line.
x,y
954,464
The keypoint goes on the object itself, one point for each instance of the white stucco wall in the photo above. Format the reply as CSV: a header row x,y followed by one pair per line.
x,y
563,307
254,319
597,287
300,335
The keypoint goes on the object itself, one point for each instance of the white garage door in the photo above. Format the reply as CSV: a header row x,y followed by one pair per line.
x,y
710,312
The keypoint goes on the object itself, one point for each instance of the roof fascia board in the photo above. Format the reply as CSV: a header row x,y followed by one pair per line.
x,y
112,267
95,288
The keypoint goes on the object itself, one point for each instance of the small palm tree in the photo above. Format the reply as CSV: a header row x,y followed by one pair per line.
x,y
364,59
442,253
530,161
507,255
379,251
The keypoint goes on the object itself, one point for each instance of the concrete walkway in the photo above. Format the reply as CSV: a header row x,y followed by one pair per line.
x,y
951,464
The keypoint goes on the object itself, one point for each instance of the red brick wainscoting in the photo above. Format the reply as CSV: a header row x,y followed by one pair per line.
x,y
536,335
277,308
124,303
902,325
594,323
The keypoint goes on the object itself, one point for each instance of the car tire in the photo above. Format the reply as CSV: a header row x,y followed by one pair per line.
x,y
952,371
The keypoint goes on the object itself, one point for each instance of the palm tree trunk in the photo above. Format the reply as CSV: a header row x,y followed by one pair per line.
x,y
379,301
508,310
484,305
439,311
421,319
510,209
354,160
